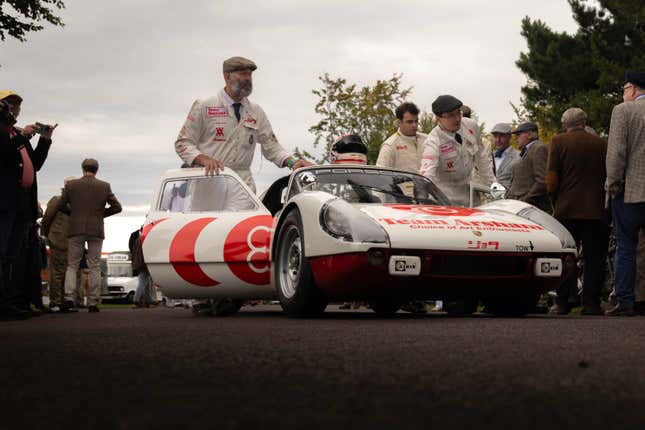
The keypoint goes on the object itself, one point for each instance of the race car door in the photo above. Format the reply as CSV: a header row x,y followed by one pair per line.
x,y
208,238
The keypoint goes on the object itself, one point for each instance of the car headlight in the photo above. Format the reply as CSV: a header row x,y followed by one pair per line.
x,y
549,223
343,221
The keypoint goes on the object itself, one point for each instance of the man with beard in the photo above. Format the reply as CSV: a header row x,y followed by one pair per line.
x,y
222,131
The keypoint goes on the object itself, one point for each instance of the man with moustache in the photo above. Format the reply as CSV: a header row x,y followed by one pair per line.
x,y
222,131
505,156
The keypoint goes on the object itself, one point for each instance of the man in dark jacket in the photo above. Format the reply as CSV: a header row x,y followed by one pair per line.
x,y
576,183
84,200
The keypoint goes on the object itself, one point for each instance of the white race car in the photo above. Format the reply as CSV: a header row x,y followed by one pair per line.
x,y
336,233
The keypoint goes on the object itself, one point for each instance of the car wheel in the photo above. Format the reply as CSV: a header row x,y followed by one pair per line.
x,y
130,297
294,280
512,306
226,307
460,307
385,308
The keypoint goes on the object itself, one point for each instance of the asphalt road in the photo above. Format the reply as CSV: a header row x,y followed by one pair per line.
x,y
165,368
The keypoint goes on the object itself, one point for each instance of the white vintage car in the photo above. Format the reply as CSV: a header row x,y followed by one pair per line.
x,y
336,233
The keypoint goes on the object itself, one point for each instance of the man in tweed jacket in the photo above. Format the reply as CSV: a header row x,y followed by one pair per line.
x,y
626,185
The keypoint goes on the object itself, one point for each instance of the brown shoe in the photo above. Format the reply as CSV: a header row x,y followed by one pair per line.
x,y
621,311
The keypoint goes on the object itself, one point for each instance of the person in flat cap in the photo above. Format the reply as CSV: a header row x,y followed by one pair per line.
x,y
575,183
85,200
454,152
529,177
223,130
626,186
505,156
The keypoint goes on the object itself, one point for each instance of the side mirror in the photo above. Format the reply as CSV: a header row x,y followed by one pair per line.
x,y
497,190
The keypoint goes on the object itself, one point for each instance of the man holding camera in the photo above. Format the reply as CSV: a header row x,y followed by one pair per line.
x,y
25,196
222,131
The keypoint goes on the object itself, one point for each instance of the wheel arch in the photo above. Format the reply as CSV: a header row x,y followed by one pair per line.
x,y
283,215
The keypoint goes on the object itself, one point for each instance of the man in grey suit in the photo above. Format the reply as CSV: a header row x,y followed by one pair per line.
x,y
626,185
84,201
529,177
505,156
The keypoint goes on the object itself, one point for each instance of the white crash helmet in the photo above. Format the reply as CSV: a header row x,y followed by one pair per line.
x,y
349,149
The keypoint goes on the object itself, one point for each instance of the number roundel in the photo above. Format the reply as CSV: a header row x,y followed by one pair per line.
x,y
246,250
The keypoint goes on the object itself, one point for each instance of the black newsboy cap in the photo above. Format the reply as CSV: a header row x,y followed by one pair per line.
x,y
445,103
525,126
636,78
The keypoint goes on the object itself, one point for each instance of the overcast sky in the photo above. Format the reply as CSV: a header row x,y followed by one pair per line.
x,y
120,77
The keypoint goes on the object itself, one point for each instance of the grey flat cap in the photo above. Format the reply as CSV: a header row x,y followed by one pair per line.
x,y
573,115
502,128
525,126
445,103
90,162
236,64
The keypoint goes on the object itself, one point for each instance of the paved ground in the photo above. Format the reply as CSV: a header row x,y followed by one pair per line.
x,y
164,368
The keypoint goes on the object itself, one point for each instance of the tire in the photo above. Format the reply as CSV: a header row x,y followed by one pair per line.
x,y
461,308
130,297
294,281
226,307
513,306
385,308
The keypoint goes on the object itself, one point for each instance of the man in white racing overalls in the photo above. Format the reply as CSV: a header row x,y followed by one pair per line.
x,y
454,152
223,130
403,150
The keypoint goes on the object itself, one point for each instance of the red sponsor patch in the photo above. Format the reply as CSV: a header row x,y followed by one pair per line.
x,y
401,148
446,148
450,164
212,111
250,121
436,210
246,250
219,131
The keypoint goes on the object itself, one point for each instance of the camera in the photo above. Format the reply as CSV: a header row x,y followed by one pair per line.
x,y
42,128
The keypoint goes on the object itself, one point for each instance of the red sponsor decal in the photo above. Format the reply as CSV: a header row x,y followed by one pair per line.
x,y
215,111
250,121
478,244
246,250
436,210
445,148
219,131
182,253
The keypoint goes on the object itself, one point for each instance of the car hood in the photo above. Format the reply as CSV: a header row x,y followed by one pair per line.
x,y
460,229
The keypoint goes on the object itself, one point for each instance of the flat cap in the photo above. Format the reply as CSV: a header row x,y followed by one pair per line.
x,y
525,126
236,64
90,162
502,128
636,78
9,93
445,103
573,115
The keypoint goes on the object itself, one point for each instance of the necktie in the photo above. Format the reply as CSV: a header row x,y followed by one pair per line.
x,y
237,107
27,169
522,152
458,138
499,152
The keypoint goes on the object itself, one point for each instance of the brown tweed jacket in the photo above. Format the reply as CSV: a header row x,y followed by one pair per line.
x,y
529,177
576,175
626,151
84,200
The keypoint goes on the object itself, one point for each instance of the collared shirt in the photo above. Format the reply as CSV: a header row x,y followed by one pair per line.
x,y
640,97
526,148
230,102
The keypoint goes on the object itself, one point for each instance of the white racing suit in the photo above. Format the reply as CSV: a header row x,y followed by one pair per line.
x,y
402,152
451,165
212,129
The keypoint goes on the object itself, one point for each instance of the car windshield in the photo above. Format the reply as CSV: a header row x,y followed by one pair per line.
x,y
356,185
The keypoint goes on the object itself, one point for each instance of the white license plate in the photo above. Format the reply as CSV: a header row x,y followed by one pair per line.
x,y
405,265
548,267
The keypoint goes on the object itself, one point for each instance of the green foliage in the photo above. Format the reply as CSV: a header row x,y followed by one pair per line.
x,y
18,17
346,108
585,69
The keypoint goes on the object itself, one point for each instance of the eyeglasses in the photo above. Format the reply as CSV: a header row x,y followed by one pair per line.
x,y
627,86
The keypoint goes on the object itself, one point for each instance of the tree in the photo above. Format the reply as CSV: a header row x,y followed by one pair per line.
x,y
367,111
585,69
18,17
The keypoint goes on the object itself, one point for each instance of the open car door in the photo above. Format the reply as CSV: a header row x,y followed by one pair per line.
x,y
208,237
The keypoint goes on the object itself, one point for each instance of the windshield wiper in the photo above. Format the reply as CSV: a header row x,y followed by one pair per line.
x,y
414,200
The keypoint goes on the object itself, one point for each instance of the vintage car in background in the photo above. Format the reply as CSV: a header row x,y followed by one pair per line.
x,y
332,233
